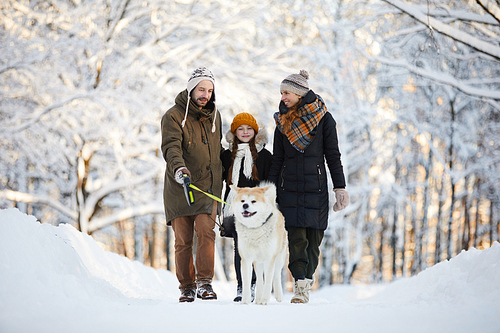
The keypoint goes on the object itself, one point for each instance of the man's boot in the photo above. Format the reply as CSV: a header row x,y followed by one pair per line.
x,y
187,294
206,292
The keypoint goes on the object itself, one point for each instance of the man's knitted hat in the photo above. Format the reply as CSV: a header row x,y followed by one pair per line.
x,y
296,83
198,75
244,118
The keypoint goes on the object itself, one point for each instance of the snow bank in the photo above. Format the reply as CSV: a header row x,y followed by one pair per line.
x,y
56,279
61,261
471,274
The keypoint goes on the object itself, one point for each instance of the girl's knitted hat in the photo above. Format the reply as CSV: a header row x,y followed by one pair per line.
x,y
244,118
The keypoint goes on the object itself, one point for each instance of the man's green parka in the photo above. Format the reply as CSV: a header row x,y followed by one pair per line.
x,y
196,147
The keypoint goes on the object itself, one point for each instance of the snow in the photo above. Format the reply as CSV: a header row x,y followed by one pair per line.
x,y
56,279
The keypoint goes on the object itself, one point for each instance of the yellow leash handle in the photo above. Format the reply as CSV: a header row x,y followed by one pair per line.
x,y
208,194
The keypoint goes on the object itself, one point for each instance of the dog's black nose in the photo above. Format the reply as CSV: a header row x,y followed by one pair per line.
x,y
245,206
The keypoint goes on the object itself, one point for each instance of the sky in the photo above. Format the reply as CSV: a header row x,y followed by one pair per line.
x,y
57,279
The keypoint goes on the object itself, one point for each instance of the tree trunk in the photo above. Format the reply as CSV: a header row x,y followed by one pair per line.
x,y
452,181
122,241
358,243
154,244
22,180
83,169
381,251
477,217
326,272
466,230
394,242
493,223
449,249
437,251
422,264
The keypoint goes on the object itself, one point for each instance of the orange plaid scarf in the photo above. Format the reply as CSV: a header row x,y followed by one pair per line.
x,y
304,127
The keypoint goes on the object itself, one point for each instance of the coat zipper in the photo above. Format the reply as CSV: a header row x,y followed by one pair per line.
x,y
282,178
319,177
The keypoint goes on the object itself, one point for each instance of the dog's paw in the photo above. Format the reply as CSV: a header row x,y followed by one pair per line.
x,y
246,300
262,301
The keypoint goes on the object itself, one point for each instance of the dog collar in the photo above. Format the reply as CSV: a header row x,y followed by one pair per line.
x,y
267,218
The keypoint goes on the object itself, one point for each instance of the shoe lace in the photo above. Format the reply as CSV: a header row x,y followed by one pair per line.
x,y
188,293
208,288
301,290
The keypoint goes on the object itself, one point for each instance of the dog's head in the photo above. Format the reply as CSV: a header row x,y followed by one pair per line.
x,y
253,205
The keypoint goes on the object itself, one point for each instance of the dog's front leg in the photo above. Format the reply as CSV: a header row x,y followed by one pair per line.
x,y
267,270
259,283
278,266
246,278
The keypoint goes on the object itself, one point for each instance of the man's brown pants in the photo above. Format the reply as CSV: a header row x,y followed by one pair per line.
x,y
184,228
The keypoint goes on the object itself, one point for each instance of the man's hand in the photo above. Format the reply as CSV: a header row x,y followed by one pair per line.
x,y
178,175
342,199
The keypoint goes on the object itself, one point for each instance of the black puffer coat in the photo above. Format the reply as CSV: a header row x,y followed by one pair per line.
x,y
301,178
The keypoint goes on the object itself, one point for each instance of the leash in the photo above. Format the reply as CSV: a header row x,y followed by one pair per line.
x,y
190,196
189,193
209,195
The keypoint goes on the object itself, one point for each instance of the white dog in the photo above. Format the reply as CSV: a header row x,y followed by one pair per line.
x,y
262,241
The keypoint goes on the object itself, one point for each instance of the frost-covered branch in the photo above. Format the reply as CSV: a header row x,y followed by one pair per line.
x,y
124,214
45,110
490,8
460,15
93,198
447,30
441,78
33,198
116,19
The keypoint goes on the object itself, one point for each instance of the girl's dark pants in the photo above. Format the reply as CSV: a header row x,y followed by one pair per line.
x,y
237,263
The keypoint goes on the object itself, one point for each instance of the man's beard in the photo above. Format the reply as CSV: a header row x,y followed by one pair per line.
x,y
200,104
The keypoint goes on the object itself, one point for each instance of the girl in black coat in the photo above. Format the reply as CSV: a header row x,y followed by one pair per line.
x,y
245,164
304,138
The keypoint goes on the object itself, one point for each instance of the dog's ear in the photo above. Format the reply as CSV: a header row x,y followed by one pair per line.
x,y
234,187
270,190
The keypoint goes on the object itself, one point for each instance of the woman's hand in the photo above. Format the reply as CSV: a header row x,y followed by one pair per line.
x,y
342,199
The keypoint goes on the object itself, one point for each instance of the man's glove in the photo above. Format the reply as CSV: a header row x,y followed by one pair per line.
x,y
342,199
178,175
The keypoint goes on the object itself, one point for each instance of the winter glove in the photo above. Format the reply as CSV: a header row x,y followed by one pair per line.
x,y
178,175
342,199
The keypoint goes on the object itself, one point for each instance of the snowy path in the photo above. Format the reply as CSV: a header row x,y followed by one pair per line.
x,y
55,279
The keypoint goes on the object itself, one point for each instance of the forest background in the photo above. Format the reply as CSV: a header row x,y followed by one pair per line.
x,y
413,85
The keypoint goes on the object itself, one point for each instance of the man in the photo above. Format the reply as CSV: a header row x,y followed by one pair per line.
x,y
191,144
